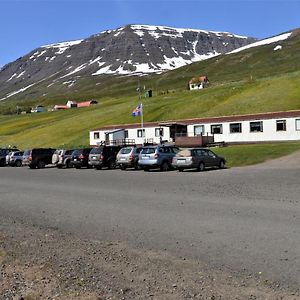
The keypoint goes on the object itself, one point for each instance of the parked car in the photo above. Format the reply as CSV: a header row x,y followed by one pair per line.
x,y
25,157
62,158
157,157
104,156
14,158
128,157
38,157
80,158
197,158
3,153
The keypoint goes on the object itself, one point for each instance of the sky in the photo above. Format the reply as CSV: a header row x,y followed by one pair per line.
x,y
29,24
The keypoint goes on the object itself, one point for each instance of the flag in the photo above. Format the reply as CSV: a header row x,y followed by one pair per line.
x,y
137,111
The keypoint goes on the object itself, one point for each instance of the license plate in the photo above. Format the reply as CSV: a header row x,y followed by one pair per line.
x,y
180,161
94,157
75,159
122,158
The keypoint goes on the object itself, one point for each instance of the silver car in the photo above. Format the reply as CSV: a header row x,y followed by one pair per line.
x,y
197,158
128,157
14,158
161,156
62,158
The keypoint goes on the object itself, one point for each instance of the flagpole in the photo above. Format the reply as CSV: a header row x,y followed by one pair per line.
x,y
142,120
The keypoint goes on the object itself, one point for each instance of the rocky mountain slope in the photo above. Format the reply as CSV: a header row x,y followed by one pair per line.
x,y
132,49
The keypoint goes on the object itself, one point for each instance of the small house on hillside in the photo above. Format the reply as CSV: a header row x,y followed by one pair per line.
x,y
86,103
71,104
60,107
197,83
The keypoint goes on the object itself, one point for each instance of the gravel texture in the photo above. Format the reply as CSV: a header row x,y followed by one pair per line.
x,y
44,263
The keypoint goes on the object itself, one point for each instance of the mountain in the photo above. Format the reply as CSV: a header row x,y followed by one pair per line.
x,y
262,78
132,49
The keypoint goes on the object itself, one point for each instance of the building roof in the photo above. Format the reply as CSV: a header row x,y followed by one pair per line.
x,y
234,118
198,79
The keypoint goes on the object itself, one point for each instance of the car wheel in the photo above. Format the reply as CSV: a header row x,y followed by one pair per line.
x,y
122,167
146,169
59,166
201,167
98,167
2,163
68,164
222,164
112,164
165,166
41,164
77,167
180,169
18,163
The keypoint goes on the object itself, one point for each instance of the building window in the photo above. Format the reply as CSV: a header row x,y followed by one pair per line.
x,y
281,125
198,130
96,135
159,132
297,124
216,129
256,126
141,133
235,127
125,134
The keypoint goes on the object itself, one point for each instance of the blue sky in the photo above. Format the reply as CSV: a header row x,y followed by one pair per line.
x,y
28,24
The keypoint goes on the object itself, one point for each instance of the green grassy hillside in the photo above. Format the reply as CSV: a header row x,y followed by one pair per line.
x,y
256,80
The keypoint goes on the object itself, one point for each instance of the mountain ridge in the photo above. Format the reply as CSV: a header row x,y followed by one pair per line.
x,y
127,50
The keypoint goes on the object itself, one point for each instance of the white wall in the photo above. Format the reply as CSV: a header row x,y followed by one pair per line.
x,y
269,131
149,134
132,134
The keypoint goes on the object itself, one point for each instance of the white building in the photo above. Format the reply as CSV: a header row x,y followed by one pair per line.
x,y
263,127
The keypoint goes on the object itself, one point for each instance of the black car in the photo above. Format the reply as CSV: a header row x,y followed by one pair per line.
x,y
104,156
80,158
39,157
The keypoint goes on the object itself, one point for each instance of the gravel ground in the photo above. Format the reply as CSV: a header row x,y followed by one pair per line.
x,y
49,263
43,263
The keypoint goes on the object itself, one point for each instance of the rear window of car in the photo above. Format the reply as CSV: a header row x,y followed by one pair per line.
x,y
184,153
125,150
96,151
148,150
77,152
27,152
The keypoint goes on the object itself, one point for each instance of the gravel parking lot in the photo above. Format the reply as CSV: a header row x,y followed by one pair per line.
x,y
238,227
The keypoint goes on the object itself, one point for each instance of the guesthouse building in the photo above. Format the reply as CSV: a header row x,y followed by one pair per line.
x,y
238,129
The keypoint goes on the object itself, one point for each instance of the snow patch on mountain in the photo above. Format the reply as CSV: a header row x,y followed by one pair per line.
x,y
17,92
264,42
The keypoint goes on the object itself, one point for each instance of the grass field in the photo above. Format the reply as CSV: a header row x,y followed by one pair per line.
x,y
252,81
243,155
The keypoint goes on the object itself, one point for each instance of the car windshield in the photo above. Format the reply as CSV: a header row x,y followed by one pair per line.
x,y
125,150
96,151
148,150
